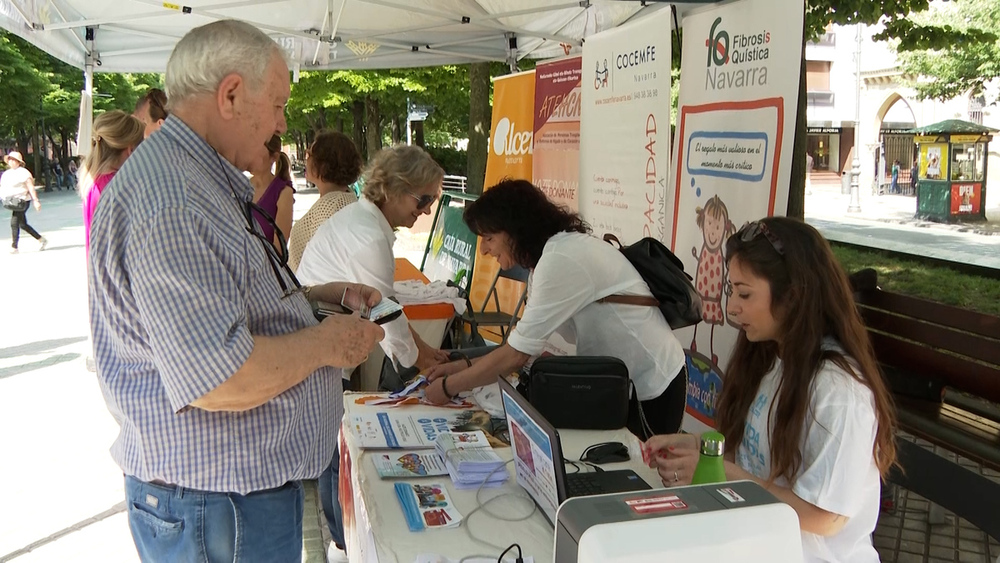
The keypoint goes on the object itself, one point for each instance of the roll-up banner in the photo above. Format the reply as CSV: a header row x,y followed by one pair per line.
x,y
510,156
625,129
735,130
556,159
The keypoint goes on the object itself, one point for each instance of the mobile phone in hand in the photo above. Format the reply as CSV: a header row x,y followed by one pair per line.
x,y
384,312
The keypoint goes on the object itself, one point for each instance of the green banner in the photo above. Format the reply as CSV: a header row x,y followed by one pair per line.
x,y
451,251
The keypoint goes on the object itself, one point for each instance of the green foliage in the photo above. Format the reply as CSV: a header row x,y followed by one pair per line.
x,y
926,281
454,161
946,72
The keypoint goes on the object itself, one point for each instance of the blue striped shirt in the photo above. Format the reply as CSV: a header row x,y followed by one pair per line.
x,y
178,290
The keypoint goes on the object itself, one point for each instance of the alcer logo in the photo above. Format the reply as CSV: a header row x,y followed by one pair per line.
x,y
507,141
718,45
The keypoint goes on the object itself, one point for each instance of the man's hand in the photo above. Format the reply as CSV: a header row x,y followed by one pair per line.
x,y
350,339
333,292
442,370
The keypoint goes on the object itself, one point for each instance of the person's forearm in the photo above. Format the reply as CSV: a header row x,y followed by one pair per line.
x,y
276,364
484,370
812,518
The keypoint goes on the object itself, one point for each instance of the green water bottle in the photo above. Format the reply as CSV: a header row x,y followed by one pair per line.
x,y
711,468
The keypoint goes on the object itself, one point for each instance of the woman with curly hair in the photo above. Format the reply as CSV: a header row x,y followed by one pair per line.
x,y
804,409
571,272
333,163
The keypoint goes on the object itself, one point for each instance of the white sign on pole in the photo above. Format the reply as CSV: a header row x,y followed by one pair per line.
x,y
735,130
625,129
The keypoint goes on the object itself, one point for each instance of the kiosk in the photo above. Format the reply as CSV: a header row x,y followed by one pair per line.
x,y
952,181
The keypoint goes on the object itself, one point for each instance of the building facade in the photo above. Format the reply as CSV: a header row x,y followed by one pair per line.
x,y
889,108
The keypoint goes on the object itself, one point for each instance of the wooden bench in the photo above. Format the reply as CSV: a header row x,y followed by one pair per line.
x,y
943,366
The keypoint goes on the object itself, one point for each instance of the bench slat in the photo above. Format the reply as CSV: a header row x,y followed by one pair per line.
x,y
937,313
968,376
934,336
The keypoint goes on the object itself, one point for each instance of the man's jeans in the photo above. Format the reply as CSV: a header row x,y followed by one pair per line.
x,y
178,524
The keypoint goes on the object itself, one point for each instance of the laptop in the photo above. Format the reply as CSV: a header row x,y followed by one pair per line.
x,y
538,459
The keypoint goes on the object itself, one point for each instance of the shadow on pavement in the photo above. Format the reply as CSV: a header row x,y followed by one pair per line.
x,y
39,347
24,368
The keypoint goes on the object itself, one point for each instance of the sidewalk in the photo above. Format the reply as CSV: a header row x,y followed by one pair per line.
x,y
888,222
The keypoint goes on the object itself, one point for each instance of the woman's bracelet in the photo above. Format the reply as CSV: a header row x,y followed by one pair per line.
x,y
444,387
466,358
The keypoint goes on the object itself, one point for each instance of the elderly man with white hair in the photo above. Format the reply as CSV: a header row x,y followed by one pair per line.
x,y
208,354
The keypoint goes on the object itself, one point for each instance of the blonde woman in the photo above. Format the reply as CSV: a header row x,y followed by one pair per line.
x,y
116,134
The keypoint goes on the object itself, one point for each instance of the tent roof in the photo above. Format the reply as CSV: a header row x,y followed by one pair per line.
x,y
138,35
953,126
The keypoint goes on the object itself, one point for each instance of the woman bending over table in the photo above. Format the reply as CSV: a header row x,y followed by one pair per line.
x,y
805,410
570,271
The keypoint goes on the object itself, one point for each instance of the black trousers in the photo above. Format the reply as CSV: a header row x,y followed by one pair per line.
x,y
663,414
18,221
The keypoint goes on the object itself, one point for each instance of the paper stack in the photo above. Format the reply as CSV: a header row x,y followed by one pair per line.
x,y
470,460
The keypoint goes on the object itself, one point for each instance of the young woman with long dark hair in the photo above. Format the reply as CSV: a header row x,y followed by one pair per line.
x,y
804,409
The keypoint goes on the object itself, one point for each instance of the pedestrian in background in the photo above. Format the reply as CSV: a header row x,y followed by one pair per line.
x,y
894,185
17,189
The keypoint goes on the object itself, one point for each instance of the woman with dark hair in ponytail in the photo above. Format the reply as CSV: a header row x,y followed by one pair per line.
x,y
805,410
273,191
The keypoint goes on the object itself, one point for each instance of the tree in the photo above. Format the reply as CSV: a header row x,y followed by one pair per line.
x,y
893,15
944,72
479,125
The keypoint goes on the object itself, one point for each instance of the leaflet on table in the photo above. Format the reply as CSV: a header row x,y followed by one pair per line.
x,y
412,394
470,460
409,464
403,430
427,506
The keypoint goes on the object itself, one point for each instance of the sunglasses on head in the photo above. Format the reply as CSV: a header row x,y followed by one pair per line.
x,y
422,200
750,231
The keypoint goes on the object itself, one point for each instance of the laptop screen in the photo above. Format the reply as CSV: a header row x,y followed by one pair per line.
x,y
538,464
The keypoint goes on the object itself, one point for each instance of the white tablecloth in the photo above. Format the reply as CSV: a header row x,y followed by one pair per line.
x,y
376,529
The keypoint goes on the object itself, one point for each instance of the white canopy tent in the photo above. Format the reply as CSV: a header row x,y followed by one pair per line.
x,y
138,35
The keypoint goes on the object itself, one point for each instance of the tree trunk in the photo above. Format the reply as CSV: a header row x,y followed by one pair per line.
x,y
394,130
417,127
373,130
339,126
479,126
797,182
38,142
358,113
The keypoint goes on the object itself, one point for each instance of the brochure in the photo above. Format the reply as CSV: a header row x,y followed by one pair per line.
x,y
401,429
427,506
470,460
408,464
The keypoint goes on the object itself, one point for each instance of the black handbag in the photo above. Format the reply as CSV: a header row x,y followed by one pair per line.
x,y
580,392
15,203
673,292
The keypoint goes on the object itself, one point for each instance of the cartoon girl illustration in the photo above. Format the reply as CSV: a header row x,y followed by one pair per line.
x,y
713,220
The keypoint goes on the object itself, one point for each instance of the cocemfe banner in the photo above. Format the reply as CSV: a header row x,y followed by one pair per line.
x,y
735,127
625,129
510,156
556,159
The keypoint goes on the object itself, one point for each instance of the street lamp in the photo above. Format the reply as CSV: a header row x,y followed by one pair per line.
x,y
855,206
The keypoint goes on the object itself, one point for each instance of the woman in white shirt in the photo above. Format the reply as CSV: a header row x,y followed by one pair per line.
x,y
804,409
571,271
355,244
17,188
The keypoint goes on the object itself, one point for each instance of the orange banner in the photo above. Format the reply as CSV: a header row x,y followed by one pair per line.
x,y
509,157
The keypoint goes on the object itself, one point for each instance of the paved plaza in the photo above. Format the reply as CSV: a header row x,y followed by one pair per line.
x,y
61,496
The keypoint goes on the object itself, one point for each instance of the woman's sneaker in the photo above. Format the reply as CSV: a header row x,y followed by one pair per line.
x,y
13,251
42,242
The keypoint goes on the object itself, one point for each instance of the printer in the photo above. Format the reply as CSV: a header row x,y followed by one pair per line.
x,y
737,521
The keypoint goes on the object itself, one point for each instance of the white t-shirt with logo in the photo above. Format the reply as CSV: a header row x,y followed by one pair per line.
x,y
576,270
838,472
